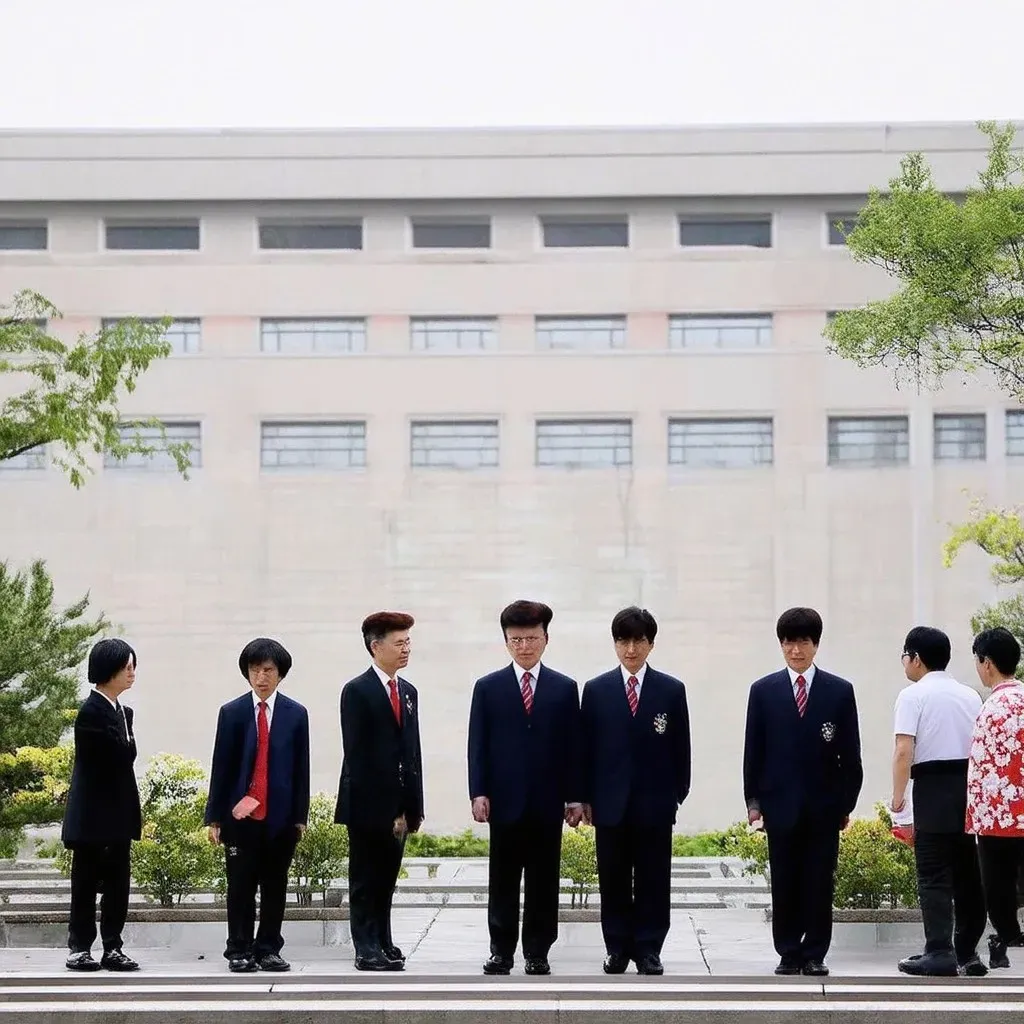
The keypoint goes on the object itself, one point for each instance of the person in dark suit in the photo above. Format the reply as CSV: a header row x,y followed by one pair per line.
x,y
380,795
802,776
103,814
524,781
636,743
258,805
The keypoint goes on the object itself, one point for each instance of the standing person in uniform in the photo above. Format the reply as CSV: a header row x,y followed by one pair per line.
x,y
258,804
802,776
934,722
636,740
524,781
103,814
380,795
995,786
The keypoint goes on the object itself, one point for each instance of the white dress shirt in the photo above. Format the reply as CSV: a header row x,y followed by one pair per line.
x,y
385,678
270,708
808,677
534,672
638,676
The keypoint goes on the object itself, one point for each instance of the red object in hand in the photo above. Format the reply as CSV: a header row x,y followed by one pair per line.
x,y
904,833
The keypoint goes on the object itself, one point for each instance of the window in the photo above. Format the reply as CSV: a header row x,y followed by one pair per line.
x,y
581,333
153,236
293,234
453,334
340,445
959,437
1015,433
185,336
868,440
720,332
460,444
449,233
584,443
721,443
24,235
34,458
297,337
719,229
161,460
585,232
839,226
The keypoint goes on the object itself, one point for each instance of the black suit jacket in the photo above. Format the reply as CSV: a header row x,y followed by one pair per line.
x,y
103,799
234,758
526,765
636,767
810,766
382,768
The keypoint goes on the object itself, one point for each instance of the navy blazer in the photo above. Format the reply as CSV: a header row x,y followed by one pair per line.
x,y
636,767
797,767
526,765
234,758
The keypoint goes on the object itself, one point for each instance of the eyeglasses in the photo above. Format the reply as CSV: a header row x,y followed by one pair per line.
x,y
524,641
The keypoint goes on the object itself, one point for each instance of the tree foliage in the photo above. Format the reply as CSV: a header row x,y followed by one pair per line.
x,y
874,869
69,401
321,856
959,262
579,862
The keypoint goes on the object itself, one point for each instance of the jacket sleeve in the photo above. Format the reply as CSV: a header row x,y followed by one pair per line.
x,y
476,746
682,748
574,747
301,769
354,730
753,751
850,755
586,745
419,773
220,773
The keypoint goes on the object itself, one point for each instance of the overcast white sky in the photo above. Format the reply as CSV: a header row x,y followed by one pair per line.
x,y
392,63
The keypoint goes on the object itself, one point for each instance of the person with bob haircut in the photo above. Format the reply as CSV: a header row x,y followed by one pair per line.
x,y
802,776
258,805
102,815
380,793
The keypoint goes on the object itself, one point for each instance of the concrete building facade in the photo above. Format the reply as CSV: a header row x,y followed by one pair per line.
x,y
438,371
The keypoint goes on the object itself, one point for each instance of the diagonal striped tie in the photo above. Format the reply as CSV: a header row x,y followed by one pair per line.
x,y
527,692
631,696
801,695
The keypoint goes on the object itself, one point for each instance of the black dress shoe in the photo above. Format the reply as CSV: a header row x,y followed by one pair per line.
x,y
242,965
930,965
116,960
615,963
786,967
972,967
273,962
82,961
997,953
495,964
393,953
378,963
537,965
815,969
650,964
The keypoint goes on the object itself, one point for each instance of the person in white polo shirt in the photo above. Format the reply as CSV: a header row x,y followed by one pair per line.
x,y
934,723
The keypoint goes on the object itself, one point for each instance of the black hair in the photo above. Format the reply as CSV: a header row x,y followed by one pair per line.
x,y
634,623
799,624
931,645
379,624
107,659
257,651
1000,646
525,615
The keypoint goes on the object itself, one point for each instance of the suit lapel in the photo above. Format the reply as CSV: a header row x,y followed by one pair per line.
x,y
645,700
278,725
249,733
513,684
380,695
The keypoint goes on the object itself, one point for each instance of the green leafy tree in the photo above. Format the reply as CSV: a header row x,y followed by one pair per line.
x,y
1000,534
959,265
579,862
71,392
321,855
874,869
33,791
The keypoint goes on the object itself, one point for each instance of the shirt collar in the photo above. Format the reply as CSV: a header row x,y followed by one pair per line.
x,y
808,675
382,675
519,670
270,700
112,703
638,675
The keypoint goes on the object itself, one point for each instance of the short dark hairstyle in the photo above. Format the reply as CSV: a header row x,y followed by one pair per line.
x,y
262,649
634,623
525,615
1000,646
931,645
107,659
379,624
799,624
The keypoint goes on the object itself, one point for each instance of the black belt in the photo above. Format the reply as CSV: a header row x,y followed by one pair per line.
x,y
925,769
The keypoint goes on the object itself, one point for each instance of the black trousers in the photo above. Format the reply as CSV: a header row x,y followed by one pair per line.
x,y
634,871
1002,858
374,860
525,852
257,860
803,871
99,869
949,888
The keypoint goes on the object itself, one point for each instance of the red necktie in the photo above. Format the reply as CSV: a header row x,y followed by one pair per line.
x,y
527,692
634,700
395,704
801,695
260,773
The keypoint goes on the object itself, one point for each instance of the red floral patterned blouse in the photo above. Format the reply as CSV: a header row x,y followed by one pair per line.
x,y
995,775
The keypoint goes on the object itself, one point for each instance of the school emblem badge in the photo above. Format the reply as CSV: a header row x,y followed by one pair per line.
x,y
828,731
660,723
408,704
